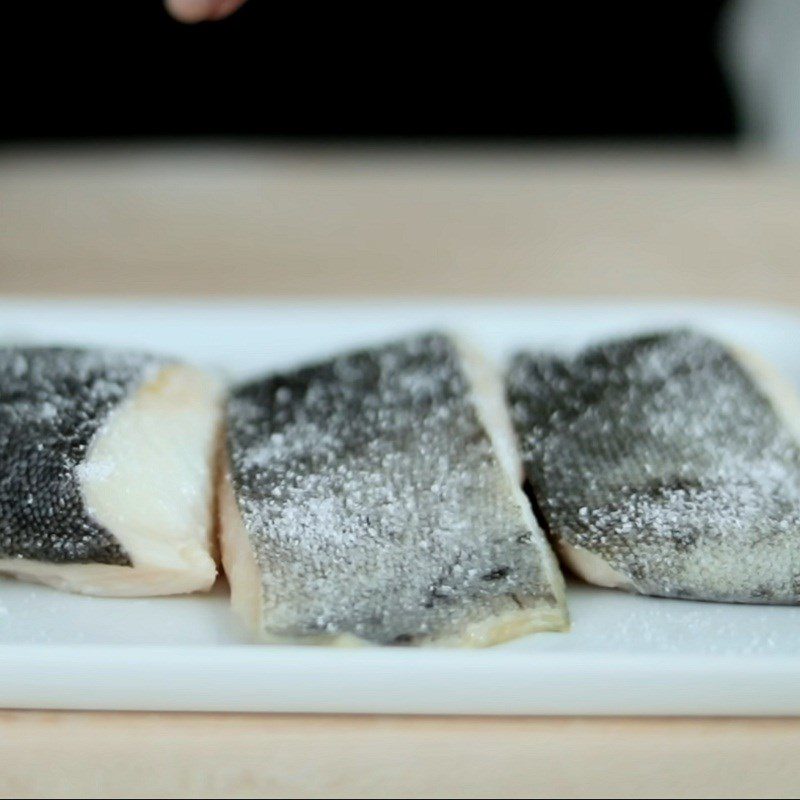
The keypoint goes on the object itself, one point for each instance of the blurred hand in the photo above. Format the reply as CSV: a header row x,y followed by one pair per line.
x,y
201,10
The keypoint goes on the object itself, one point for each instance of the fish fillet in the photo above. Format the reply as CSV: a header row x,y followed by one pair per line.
x,y
106,483
665,464
376,498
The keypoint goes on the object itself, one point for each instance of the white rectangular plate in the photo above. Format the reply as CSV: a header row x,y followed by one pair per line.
x,y
624,654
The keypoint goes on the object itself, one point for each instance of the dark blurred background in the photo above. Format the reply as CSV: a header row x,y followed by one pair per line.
x,y
543,72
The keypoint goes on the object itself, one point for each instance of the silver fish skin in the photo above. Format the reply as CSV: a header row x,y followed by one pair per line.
x,y
375,504
665,464
53,400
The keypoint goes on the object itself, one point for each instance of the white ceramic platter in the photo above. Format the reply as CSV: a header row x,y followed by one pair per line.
x,y
624,655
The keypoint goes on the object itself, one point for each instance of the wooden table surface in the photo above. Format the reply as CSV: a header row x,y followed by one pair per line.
x,y
245,221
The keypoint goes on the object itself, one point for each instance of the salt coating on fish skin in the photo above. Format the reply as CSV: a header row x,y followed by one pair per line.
x,y
53,401
664,457
376,505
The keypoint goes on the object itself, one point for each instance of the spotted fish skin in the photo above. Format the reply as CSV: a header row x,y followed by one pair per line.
x,y
662,456
377,507
52,402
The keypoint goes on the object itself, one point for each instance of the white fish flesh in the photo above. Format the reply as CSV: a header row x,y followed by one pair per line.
x,y
106,471
665,464
376,497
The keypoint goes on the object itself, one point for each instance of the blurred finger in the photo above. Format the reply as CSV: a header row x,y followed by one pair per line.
x,y
227,7
191,11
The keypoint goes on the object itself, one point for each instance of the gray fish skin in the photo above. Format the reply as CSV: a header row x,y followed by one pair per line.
x,y
377,507
52,403
661,462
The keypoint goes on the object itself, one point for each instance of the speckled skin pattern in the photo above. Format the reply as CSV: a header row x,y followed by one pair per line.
x,y
52,402
374,501
662,456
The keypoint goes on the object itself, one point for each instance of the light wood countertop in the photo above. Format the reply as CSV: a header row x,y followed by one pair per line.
x,y
244,221
233,755
302,222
